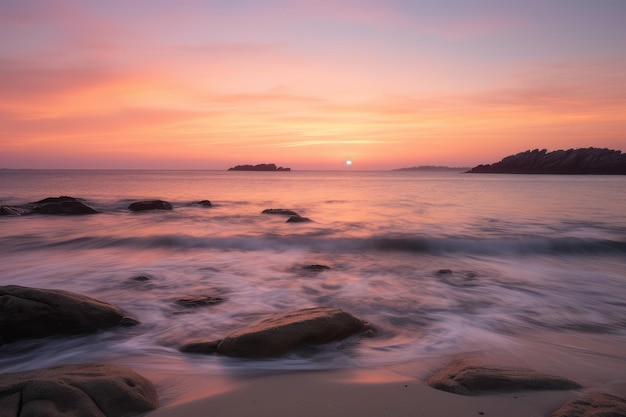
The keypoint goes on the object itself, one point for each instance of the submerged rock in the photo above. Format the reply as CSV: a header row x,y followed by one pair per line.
x,y
283,212
280,334
205,203
593,405
199,301
316,267
150,205
51,205
298,219
32,313
82,390
466,376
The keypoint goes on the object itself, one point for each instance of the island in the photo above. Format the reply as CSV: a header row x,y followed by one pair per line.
x,y
259,167
433,168
582,161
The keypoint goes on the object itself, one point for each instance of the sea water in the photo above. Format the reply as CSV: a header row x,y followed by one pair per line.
x,y
437,262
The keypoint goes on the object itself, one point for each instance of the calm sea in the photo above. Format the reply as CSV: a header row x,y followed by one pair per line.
x,y
437,262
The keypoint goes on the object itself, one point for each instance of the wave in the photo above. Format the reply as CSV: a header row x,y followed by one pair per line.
x,y
417,245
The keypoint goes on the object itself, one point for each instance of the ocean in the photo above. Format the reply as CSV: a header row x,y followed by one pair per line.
x,y
437,262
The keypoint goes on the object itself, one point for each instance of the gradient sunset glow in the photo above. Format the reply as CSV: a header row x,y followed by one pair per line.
x,y
306,84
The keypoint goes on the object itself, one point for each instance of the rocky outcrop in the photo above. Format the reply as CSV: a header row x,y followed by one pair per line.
x,y
50,205
298,219
281,212
259,167
593,405
32,313
280,334
205,203
83,390
466,376
573,161
294,217
150,205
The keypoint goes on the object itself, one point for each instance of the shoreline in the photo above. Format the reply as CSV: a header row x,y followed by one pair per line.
x,y
398,389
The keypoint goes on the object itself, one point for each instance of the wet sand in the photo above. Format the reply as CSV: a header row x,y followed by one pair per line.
x,y
400,390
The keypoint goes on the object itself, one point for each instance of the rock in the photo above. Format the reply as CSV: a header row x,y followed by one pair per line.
x,y
51,205
259,167
141,278
150,205
467,377
444,272
298,219
33,313
280,334
205,203
593,405
82,390
572,161
199,301
283,212
316,267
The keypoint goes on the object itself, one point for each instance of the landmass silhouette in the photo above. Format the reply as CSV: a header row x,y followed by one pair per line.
x,y
588,161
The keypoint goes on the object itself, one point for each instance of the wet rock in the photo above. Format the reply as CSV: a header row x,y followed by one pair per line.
x,y
150,205
141,278
280,334
32,313
466,376
199,301
298,219
593,405
82,390
283,212
444,272
205,203
51,205
316,267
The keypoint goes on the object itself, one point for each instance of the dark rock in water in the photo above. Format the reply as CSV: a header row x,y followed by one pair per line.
x,y
280,334
316,267
199,301
593,405
82,390
444,272
298,219
51,205
205,203
33,313
259,167
150,205
283,212
141,278
572,161
467,377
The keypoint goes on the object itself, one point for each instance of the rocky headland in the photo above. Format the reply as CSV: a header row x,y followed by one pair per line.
x,y
583,161
259,167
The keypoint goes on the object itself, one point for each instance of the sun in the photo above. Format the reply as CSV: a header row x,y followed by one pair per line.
x,y
348,163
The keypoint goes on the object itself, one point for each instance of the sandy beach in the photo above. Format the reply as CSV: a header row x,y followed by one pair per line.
x,y
398,390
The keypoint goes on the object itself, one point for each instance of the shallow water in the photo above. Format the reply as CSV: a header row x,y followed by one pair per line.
x,y
437,262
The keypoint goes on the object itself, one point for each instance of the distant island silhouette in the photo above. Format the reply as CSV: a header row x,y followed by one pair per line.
x,y
259,167
588,161
432,168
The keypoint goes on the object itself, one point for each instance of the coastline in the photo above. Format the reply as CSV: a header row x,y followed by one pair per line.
x,y
400,389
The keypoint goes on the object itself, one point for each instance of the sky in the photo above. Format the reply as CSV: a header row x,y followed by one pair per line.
x,y
310,84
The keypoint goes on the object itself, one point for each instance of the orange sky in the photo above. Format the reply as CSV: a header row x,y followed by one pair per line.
x,y
306,84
